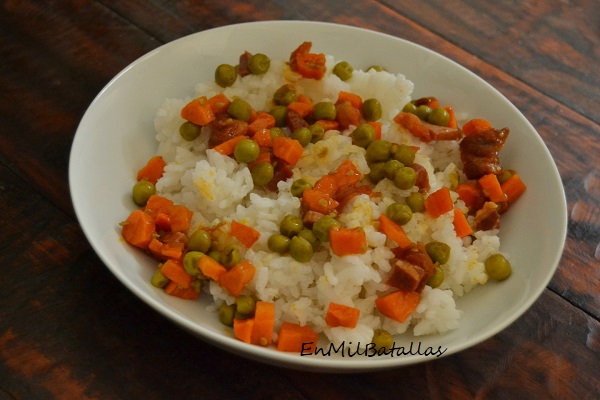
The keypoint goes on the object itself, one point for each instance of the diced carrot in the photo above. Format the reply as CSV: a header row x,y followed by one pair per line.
x,y
226,148
513,187
347,115
318,201
470,193
158,205
264,155
461,225
394,231
328,125
264,323
347,174
398,305
287,149
219,103
475,126
198,111
309,65
303,106
155,247
188,293
295,338
180,217
153,170
211,268
236,279
262,121
491,188
327,184
377,126
342,315
263,138
452,123
166,250
242,329
348,241
174,270
162,222
173,250
352,98
244,233
439,202
414,126
138,229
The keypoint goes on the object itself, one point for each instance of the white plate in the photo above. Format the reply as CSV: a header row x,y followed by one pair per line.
x,y
116,136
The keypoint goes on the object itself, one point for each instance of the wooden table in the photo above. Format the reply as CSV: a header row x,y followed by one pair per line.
x,y
61,337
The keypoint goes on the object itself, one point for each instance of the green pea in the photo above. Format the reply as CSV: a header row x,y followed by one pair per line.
x,y
279,243
363,135
279,113
343,70
390,167
437,278
376,68
196,284
285,95
403,153
231,256
505,175
317,131
302,135
498,267
245,304
416,202
410,108
189,131
423,112
300,249
259,64
299,186
310,237
405,178
277,132
190,262
226,314
246,151
439,116
372,110
216,255
239,315
399,213
262,173
240,109
141,192
377,172
439,252
324,110
158,279
378,150
383,340
199,241
291,225
322,226
225,75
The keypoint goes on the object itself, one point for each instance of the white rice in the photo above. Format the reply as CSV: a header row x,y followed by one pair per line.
x,y
218,189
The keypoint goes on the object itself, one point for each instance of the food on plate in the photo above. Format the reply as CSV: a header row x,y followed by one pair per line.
x,y
310,197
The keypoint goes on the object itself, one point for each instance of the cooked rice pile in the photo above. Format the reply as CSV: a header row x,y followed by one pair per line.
x,y
218,189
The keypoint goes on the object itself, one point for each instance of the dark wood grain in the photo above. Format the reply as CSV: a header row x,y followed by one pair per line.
x,y
70,330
